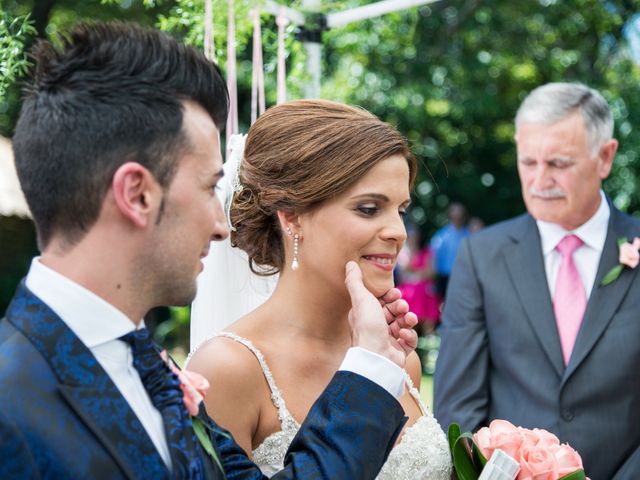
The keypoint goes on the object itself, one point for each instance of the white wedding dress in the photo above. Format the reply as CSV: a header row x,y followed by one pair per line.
x,y
423,451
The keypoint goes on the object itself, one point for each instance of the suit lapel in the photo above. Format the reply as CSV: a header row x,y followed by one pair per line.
x,y
87,388
604,300
525,264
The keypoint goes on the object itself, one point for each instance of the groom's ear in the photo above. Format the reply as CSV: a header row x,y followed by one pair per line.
x,y
289,222
136,193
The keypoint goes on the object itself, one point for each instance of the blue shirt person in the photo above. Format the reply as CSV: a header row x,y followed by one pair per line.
x,y
445,243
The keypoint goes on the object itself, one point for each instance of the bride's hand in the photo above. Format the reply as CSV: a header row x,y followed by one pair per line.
x,y
383,326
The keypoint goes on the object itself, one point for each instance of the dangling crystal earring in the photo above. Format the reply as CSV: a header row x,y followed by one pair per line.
x,y
294,263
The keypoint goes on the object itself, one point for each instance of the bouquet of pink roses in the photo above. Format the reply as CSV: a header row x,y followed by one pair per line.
x,y
536,454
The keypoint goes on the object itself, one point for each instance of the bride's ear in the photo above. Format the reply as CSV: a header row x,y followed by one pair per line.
x,y
289,222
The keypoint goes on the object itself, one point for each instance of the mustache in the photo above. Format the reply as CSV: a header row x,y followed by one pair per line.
x,y
548,193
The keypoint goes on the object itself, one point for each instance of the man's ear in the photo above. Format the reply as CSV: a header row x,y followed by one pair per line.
x,y
136,192
289,222
605,157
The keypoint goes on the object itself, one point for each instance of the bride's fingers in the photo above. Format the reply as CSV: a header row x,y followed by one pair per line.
x,y
395,309
408,339
391,295
408,320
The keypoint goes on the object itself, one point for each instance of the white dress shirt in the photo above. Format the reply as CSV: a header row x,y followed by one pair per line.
x,y
586,257
98,325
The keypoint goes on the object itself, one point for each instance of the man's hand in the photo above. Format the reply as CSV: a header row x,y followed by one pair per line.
x,y
383,326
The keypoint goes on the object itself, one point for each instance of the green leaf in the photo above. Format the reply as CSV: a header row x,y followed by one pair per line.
x,y
622,241
462,462
452,434
577,475
612,275
200,430
478,457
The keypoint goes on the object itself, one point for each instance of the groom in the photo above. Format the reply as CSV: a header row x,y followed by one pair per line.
x,y
117,150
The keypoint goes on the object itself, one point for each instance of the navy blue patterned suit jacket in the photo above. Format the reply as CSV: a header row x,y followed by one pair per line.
x,y
61,416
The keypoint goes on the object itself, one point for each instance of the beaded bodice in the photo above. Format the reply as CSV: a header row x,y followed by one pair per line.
x,y
422,452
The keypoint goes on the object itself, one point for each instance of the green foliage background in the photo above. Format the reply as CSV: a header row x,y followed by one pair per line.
x,y
449,75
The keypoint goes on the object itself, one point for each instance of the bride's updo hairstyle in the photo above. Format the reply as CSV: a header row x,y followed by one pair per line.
x,y
298,155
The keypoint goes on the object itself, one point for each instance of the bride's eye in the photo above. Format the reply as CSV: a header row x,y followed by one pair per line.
x,y
368,210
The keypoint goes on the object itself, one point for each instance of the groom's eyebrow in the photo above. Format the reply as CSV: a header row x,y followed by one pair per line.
x,y
217,175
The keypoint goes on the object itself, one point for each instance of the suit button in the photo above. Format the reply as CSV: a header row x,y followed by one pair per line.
x,y
567,415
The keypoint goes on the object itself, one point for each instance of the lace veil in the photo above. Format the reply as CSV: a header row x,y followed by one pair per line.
x,y
227,288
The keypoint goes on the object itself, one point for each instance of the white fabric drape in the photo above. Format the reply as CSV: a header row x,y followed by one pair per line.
x,y
257,77
282,22
227,289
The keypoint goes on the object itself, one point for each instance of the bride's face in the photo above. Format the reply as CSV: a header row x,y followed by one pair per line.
x,y
364,223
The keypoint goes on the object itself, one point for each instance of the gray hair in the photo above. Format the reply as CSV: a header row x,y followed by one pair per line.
x,y
553,102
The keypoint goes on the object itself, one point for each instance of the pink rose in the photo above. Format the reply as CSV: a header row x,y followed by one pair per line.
x,y
194,386
482,438
545,439
529,438
506,436
537,463
499,434
568,460
629,255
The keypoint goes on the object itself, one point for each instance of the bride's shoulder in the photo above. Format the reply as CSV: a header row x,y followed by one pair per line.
x,y
225,359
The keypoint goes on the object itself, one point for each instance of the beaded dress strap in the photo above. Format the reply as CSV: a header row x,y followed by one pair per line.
x,y
415,393
287,422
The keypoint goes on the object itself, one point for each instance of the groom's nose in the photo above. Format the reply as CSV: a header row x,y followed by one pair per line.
x,y
220,227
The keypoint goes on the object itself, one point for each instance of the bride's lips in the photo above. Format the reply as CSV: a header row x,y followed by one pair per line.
x,y
383,261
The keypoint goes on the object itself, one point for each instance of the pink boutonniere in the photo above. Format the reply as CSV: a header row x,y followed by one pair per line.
x,y
628,257
194,388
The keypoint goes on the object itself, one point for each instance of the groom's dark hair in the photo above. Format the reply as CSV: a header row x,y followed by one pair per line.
x,y
111,93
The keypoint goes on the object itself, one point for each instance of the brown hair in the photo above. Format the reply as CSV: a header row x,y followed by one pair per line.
x,y
298,155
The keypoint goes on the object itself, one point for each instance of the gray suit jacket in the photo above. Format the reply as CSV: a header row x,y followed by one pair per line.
x,y
500,355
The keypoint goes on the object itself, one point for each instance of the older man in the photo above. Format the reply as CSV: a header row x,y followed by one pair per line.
x,y
530,334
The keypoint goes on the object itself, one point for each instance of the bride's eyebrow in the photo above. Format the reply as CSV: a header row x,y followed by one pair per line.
x,y
369,196
378,196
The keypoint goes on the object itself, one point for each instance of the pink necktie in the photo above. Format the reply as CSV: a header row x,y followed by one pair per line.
x,y
569,299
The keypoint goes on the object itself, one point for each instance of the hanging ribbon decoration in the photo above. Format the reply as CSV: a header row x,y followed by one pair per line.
x,y
257,77
209,47
232,120
282,22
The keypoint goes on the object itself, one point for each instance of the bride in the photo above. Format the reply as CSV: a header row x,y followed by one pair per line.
x,y
320,183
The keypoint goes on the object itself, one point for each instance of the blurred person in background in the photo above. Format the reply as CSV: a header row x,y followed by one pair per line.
x,y
445,244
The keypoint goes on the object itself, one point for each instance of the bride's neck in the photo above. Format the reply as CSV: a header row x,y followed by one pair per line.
x,y
310,309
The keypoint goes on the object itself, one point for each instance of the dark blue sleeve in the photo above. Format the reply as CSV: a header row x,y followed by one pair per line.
x,y
348,433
